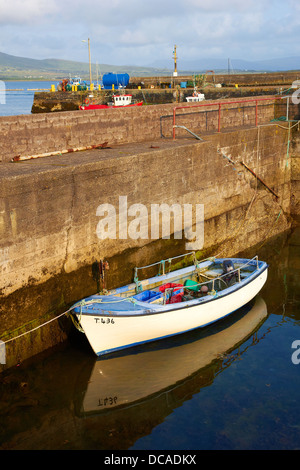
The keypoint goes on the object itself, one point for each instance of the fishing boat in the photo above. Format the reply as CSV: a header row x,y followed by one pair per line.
x,y
75,81
68,84
119,101
169,303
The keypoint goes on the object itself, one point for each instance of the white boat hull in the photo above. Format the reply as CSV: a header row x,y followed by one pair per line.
x,y
124,380
112,332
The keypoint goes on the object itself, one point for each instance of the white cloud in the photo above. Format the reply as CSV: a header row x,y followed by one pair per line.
x,y
220,5
140,32
26,11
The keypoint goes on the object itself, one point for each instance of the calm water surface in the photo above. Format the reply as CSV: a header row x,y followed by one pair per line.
x,y
18,96
232,385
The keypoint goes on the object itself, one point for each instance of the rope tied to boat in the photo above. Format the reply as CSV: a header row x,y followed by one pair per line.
x,y
76,323
37,327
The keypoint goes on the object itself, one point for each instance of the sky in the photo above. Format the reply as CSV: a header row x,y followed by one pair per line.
x,y
143,33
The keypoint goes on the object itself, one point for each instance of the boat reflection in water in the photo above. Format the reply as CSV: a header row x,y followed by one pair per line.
x,y
162,379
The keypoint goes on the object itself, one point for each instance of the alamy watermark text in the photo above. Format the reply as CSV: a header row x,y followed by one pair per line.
x,y
159,220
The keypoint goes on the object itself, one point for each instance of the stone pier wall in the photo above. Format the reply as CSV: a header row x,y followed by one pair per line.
x,y
295,171
30,135
49,248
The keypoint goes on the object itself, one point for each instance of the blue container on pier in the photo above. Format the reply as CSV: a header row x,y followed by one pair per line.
x,y
115,79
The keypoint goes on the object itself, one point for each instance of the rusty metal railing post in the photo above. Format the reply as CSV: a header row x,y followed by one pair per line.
x,y
174,118
256,113
270,98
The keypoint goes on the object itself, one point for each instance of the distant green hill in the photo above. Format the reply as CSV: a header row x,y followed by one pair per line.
x,y
13,67
21,67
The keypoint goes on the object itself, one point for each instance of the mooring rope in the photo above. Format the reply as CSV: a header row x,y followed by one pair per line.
x,y
78,304
36,328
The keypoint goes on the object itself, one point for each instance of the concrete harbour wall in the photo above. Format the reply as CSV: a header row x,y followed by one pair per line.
x,y
295,172
55,132
48,213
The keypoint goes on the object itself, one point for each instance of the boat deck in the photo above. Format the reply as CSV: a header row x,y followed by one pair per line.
x,y
180,287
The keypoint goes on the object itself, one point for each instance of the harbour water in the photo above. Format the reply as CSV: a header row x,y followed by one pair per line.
x,y
16,97
233,385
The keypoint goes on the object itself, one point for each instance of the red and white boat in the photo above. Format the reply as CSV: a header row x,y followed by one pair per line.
x,y
119,101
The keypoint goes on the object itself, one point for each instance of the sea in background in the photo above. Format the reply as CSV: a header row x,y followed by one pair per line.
x,y
16,97
233,385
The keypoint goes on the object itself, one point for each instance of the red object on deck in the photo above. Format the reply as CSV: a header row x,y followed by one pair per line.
x,y
170,285
175,298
